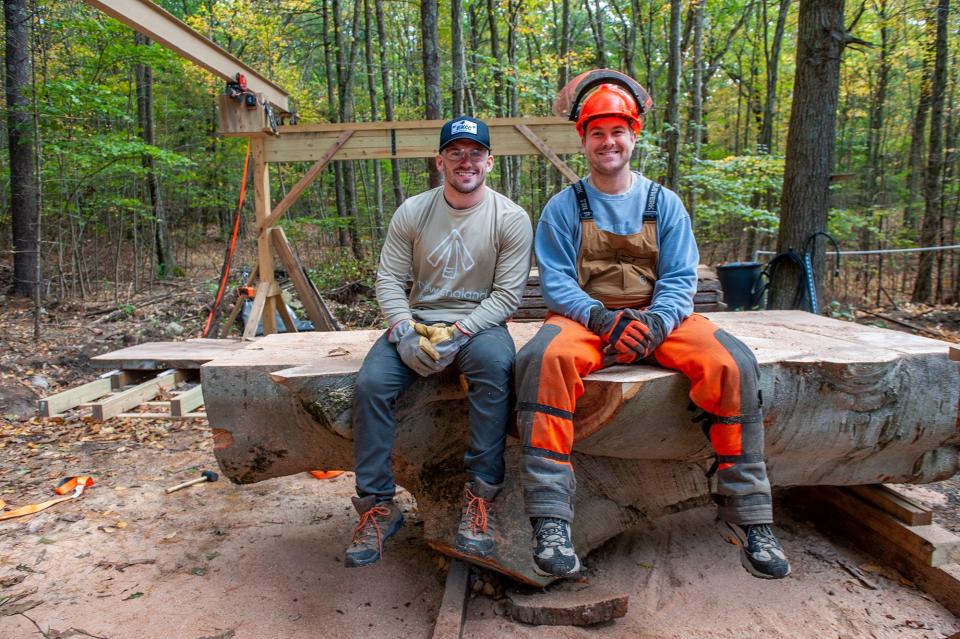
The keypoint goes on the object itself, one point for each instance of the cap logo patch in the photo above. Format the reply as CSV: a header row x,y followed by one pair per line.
x,y
463,126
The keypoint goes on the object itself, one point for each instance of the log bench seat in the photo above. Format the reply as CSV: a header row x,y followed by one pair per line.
x,y
844,404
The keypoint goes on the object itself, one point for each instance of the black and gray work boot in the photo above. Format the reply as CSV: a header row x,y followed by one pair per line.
x,y
553,552
475,533
378,523
760,551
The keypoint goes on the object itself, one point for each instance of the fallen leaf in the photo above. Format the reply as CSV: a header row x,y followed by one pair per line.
x,y
135,595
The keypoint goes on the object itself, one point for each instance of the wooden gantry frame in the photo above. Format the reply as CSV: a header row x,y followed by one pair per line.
x,y
317,143
324,143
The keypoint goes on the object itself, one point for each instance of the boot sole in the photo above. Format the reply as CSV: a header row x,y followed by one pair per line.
x,y
745,561
544,573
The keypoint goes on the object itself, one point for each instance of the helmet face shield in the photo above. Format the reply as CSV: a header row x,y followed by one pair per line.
x,y
570,99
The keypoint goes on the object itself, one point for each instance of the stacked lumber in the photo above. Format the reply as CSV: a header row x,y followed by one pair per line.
x,y
844,404
893,528
708,299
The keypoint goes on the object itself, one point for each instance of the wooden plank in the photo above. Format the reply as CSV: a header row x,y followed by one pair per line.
x,y
890,501
931,544
413,140
237,118
955,353
285,316
50,406
261,192
304,182
312,303
151,356
548,153
125,400
256,311
453,606
186,401
238,304
151,20
941,582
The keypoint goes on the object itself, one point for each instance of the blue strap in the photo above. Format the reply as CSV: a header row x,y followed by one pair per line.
x,y
650,212
583,204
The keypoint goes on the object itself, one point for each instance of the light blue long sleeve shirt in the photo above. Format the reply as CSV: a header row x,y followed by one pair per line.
x,y
557,245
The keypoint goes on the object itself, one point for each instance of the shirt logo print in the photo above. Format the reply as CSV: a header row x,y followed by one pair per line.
x,y
454,254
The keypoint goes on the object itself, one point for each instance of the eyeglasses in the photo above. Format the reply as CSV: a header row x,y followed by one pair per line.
x,y
456,155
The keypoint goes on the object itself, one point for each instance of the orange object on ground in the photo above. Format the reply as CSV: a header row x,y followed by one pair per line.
x,y
326,474
73,485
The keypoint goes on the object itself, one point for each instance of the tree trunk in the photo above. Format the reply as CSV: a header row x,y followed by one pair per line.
x,y
933,197
346,61
431,74
514,9
595,19
672,125
24,206
810,140
374,116
876,189
915,175
388,99
896,395
696,95
765,143
563,73
332,110
166,260
458,67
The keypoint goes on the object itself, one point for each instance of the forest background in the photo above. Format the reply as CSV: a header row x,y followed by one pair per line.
x,y
133,183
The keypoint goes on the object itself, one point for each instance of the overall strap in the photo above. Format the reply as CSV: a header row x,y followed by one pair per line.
x,y
650,212
583,204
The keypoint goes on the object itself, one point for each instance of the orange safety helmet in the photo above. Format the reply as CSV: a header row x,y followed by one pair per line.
x,y
609,100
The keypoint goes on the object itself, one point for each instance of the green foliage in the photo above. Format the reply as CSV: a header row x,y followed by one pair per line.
x,y
730,193
340,270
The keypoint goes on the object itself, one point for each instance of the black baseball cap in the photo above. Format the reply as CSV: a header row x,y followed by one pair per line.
x,y
465,128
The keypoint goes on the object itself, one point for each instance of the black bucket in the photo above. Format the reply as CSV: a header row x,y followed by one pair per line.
x,y
741,285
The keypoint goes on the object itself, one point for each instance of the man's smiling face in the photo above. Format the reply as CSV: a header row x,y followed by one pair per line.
x,y
608,145
464,165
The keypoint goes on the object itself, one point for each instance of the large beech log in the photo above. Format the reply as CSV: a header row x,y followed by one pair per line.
x,y
843,404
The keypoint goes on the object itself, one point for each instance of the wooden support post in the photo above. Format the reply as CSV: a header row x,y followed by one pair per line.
x,y
547,152
312,303
955,353
125,400
238,305
285,316
449,624
186,401
256,311
261,190
304,182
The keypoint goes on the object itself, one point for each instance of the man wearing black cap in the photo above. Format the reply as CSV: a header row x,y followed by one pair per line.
x,y
467,249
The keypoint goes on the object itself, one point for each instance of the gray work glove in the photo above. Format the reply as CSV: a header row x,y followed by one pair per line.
x,y
408,347
440,343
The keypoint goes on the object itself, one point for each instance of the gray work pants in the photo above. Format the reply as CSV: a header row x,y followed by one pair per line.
x,y
487,363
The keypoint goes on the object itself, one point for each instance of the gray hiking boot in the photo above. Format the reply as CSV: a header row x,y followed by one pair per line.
x,y
475,533
760,551
378,523
553,552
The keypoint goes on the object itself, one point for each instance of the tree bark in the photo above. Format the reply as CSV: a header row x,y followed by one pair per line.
x,y
374,116
24,205
915,172
388,99
458,67
346,61
810,139
672,125
166,260
933,196
765,143
696,96
431,75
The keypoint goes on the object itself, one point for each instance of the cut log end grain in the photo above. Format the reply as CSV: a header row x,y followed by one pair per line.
x,y
569,605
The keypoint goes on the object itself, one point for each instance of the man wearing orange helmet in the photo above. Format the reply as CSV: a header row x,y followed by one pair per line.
x,y
618,270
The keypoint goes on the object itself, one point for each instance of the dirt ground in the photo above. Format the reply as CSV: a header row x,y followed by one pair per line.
x,y
265,560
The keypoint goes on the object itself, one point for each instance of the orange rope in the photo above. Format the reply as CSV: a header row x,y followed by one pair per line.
x,y
225,272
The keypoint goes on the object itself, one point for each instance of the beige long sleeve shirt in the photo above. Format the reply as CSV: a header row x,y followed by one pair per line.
x,y
468,266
